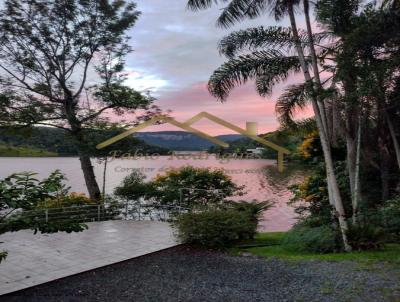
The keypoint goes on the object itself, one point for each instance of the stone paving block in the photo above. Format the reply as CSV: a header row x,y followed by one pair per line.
x,y
40,258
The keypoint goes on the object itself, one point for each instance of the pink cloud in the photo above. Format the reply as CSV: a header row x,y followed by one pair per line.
x,y
244,105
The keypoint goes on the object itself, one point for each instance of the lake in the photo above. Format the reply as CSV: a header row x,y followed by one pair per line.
x,y
260,177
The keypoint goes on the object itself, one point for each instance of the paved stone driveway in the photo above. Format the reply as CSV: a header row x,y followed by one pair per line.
x,y
36,259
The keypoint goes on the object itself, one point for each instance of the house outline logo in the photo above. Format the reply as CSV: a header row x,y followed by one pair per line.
x,y
250,132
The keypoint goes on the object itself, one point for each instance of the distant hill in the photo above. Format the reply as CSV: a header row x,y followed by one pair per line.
x,y
46,141
281,138
181,140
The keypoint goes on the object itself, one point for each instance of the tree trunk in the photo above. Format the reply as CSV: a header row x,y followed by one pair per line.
x,y
81,145
337,125
103,190
90,178
329,122
331,177
385,166
357,184
314,60
352,122
394,139
384,154
351,156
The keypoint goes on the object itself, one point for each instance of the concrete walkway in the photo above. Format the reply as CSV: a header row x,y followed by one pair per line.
x,y
40,258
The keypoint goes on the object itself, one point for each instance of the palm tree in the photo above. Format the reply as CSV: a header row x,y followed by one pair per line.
x,y
271,66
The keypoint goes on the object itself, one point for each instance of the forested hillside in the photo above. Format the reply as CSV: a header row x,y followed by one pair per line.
x,y
46,141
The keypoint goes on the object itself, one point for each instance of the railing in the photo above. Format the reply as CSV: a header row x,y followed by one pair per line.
x,y
100,212
84,213
140,211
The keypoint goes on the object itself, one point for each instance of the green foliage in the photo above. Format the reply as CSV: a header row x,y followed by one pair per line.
x,y
188,187
365,236
94,34
269,245
133,187
119,95
283,138
253,38
322,239
46,84
253,209
31,221
68,200
219,227
184,189
295,98
24,191
266,67
11,151
193,187
337,15
23,197
362,58
310,199
390,212
236,11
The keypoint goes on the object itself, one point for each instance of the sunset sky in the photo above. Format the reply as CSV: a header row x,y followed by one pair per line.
x,y
175,52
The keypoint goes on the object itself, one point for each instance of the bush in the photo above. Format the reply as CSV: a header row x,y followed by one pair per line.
x,y
321,239
365,236
390,213
220,227
134,187
24,191
63,201
193,187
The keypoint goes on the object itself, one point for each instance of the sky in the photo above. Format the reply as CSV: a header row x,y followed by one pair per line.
x,y
175,52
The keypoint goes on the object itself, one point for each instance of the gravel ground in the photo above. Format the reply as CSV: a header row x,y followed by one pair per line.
x,y
187,274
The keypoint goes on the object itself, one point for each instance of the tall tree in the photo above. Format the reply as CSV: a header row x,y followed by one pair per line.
x,y
366,56
238,10
62,63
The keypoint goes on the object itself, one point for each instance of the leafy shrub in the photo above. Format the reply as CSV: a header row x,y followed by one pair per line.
x,y
188,187
72,199
24,191
322,239
365,236
311,199
134,187
22,197
193,187
219,227
253,209
390,213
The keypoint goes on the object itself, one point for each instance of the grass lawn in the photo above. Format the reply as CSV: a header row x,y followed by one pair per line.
x,y
11,151
268,245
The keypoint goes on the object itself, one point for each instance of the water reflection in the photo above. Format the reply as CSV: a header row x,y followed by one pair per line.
x,y
260,177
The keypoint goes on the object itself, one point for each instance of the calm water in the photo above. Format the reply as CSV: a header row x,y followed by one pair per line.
x,y
260,177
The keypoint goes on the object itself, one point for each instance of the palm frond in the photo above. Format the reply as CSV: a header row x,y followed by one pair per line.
x,y
238,10
264,84
293,99
196,5
259,37
270,67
